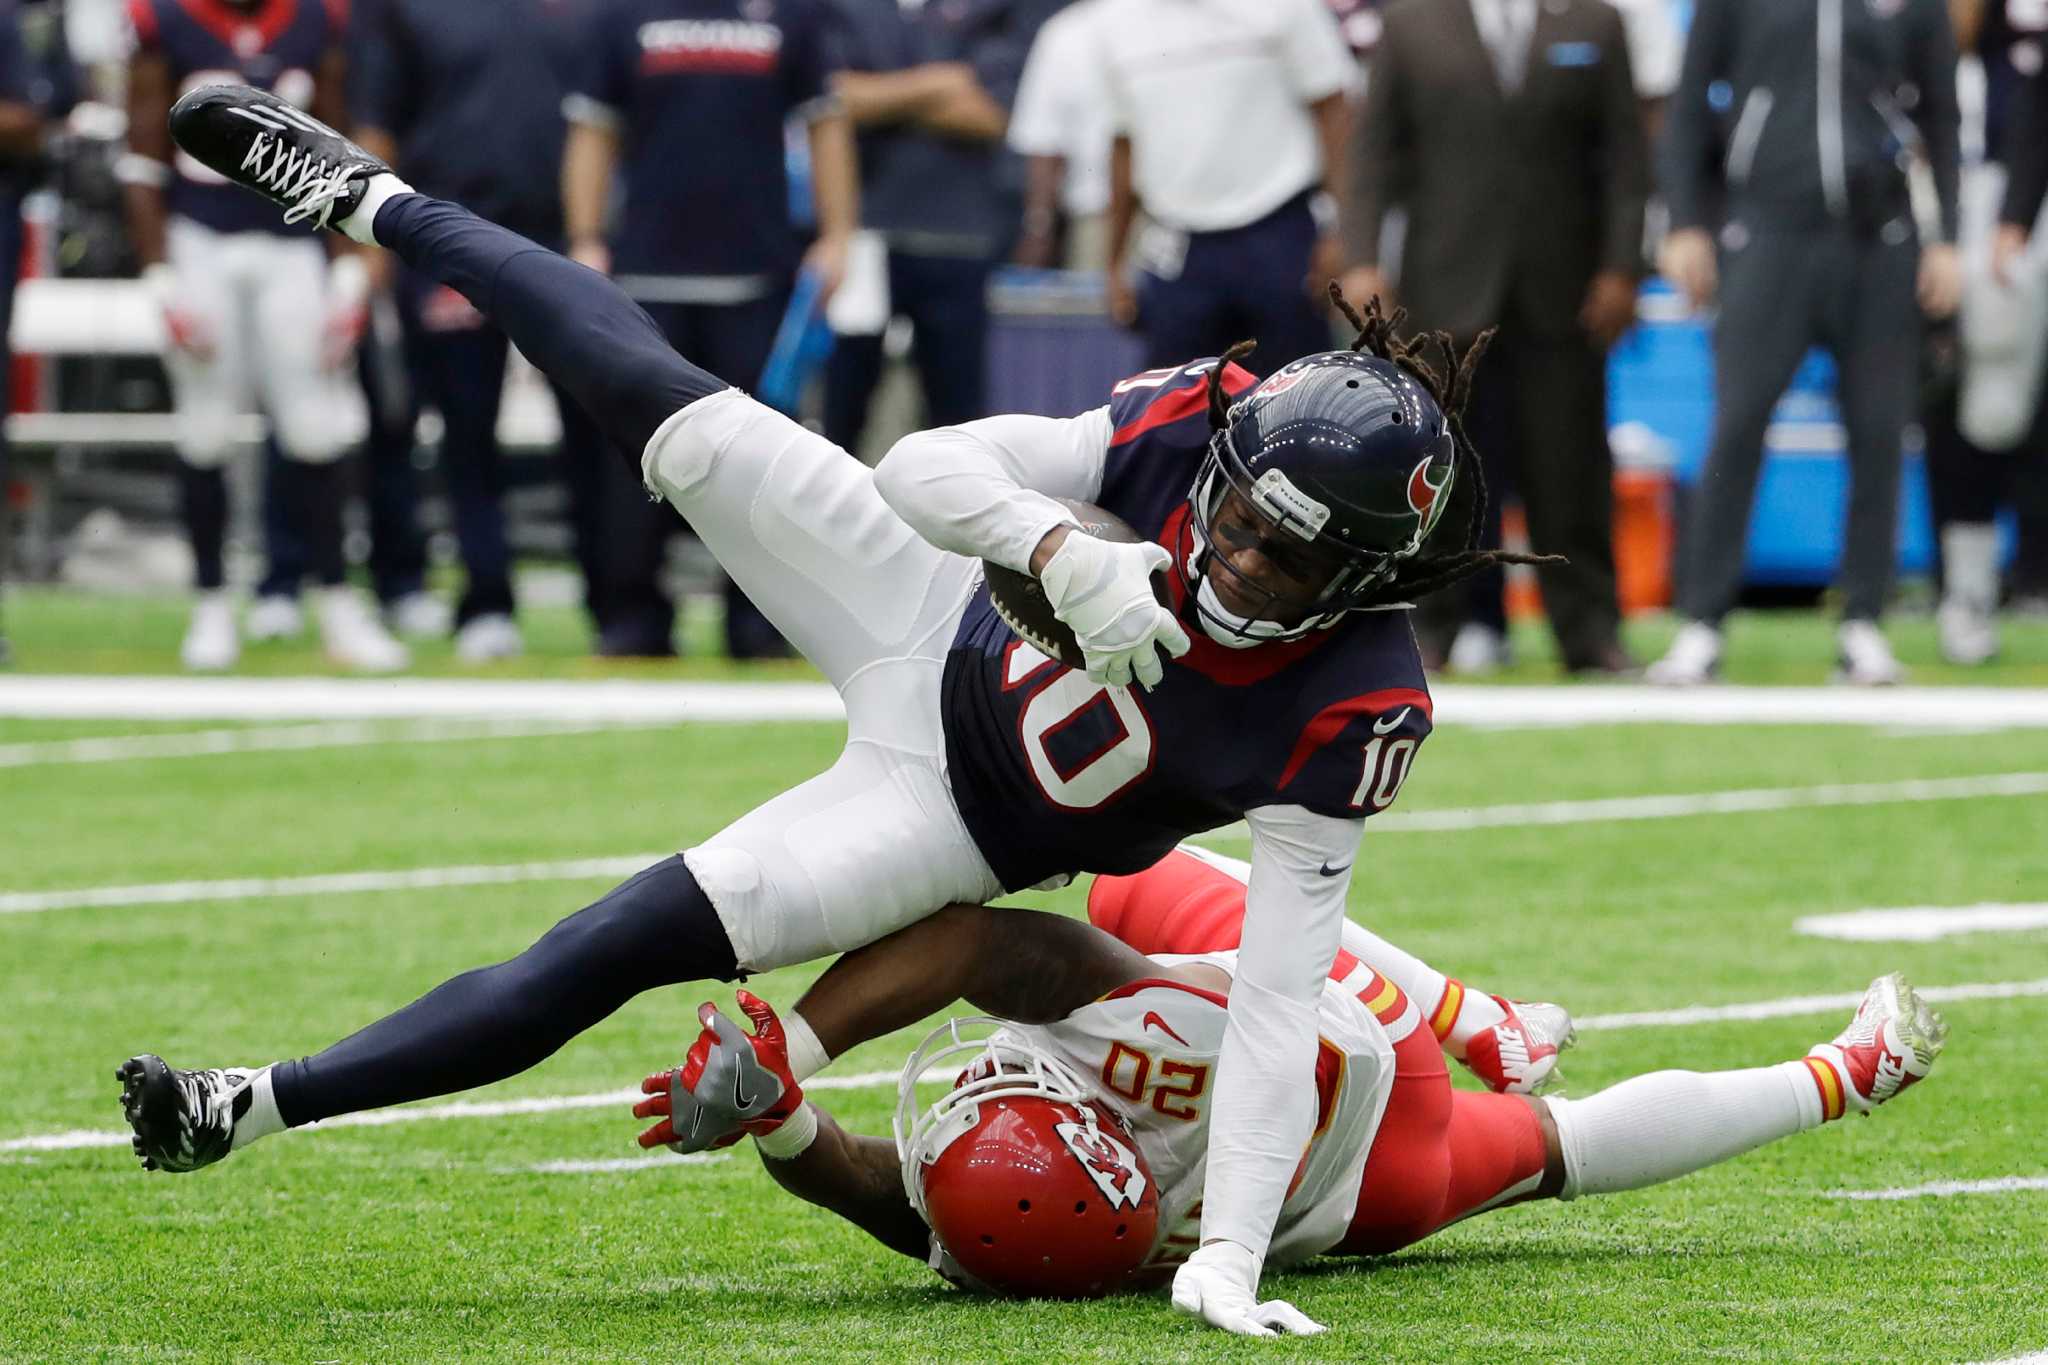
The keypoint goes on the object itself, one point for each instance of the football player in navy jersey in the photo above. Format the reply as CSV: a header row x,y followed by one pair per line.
x,y
1293,519
255,317
704,238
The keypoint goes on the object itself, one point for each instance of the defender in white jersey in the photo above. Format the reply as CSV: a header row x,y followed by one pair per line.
x,y
1146,1052
1070,1155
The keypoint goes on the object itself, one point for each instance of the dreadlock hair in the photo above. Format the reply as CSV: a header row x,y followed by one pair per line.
x,y
1452,553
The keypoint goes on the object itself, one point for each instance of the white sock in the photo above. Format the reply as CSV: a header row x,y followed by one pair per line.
x,y
1667,1124
1453,1013
382,187
1969,562
807,1056
262,1119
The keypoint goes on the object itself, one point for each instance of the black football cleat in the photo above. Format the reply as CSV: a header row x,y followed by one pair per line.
x,y
182,1119
276,149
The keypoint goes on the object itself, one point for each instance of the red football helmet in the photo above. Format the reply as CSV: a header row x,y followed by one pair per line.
x,y
1029,1184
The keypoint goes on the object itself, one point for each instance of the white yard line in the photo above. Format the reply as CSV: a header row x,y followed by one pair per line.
x,y
281,699
1603,810
431,1113
629,1165
75,1138
188,698
273,739
1799,1005
1946,1189
1924,923
1740,801
325,884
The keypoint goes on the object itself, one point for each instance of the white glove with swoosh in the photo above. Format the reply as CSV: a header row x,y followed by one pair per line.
x,y
1103,590
1220,1285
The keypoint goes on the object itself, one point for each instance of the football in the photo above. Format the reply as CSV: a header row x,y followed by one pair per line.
x,y
1020,599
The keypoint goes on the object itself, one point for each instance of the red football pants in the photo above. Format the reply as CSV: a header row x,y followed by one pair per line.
x,y
1439,1153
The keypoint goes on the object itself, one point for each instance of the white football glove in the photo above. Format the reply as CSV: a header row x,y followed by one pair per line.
x,y
1103,591
186,332
1220,1285
346,310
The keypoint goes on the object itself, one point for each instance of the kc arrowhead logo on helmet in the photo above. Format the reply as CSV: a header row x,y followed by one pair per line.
x,y
1108,1162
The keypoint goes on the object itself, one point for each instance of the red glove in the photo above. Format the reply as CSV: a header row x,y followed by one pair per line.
x,y
730,1085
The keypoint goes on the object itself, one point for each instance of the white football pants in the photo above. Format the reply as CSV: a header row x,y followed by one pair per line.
x,y
259,298
874,842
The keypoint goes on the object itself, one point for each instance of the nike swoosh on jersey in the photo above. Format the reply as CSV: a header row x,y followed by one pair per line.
x,y
1152,1018
1327,871
1389,725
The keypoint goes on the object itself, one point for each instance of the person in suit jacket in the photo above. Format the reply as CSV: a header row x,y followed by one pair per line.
x,y
1509,131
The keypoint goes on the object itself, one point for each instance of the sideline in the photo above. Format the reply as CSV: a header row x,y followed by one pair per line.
x,y
279,699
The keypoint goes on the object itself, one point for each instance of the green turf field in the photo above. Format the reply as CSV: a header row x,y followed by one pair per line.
x,y
442,1238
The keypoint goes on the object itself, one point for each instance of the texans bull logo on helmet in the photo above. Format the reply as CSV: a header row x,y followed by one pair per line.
x,y
1426,495
1108,1162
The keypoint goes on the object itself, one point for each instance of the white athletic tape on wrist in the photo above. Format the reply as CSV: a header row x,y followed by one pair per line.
x,y
807,1056
793,1138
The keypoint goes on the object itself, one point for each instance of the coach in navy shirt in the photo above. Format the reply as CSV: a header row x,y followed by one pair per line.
x,y
465,101
929,87
685,103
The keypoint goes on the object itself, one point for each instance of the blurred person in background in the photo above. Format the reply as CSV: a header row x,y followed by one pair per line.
x,y
1230,122
256,315
1511,134
37,86
397,560
1655,49
1060,126
468,98
1969,478
1821,109
684,104
2026,191
929,89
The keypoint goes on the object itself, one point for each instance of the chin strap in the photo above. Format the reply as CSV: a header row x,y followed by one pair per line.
x,y
1229,629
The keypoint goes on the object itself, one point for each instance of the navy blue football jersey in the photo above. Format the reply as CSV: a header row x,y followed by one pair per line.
x,y
701,90
274,45
1055,774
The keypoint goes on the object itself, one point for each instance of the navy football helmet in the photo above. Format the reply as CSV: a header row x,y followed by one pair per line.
x,y
1348,453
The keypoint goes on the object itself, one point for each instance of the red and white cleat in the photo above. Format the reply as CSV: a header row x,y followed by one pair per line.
x,y
1891,1043
1518,1055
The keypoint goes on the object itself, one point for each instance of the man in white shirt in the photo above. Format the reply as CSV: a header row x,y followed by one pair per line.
x,y
1229,122
1060,124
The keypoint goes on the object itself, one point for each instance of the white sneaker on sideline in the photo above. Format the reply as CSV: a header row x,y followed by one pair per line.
x,y
418,615
354,637
1694,658
212,643
1866,656
276,617
1476,650
488,638
1969,635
